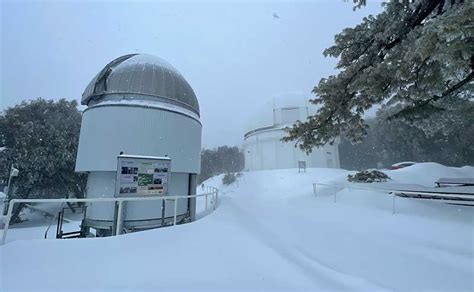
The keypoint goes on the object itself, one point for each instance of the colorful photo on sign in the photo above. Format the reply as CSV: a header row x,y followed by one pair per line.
x,y
125,190
129,170
145,179
142,178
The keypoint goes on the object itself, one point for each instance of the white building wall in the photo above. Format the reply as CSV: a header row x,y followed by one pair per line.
x,y
263,146
138,130
265,150
108,130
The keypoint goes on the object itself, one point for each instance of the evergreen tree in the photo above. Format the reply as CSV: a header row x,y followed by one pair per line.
x,y
41,139
416,58
389,142
224,159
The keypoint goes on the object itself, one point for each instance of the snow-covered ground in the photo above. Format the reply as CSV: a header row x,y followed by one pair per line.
x,y
271,233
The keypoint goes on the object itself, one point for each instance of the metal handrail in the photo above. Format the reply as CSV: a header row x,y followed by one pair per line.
x,y
120,200
393,190
441,197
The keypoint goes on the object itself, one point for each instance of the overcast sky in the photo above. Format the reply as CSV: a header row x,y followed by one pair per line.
x,y
235,55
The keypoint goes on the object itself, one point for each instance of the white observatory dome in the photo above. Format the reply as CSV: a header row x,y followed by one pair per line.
x,y
148,77
263,147
264,113
139,105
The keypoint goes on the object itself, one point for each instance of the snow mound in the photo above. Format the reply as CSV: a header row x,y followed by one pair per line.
x,y
427,173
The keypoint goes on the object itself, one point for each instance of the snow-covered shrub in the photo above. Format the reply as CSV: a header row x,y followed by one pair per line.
x,y
224,159
230,178
368,176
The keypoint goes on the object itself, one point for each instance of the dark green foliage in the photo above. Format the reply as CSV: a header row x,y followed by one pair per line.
x,y
41,139
4,170
389,142
224,159
416,58
368,176
359,3
229,178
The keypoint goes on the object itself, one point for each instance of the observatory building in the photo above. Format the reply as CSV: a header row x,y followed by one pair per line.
x,y
139,105
263,147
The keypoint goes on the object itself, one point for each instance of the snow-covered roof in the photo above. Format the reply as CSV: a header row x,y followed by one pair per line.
x,y
144,76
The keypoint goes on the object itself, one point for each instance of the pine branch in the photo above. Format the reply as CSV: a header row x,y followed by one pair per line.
x,y
449,91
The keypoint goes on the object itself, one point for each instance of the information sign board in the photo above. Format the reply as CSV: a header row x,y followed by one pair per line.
x,y
142,176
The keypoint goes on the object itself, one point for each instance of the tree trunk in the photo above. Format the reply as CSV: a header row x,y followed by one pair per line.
x,y
16,213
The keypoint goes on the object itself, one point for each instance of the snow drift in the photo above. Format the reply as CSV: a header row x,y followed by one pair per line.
x,y
271,233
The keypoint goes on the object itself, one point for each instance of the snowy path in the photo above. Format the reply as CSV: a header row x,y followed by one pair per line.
x,y
321,275
271,233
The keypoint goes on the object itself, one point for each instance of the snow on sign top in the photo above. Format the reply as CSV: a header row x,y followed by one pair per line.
x,y
143,157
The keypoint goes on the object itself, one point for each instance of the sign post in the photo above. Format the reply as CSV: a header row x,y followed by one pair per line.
x,y
301,166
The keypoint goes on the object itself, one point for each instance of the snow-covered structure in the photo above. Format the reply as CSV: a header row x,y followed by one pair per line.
x,y
139,105
263,147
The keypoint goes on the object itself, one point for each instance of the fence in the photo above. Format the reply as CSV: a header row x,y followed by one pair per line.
x,y
440,197
213,192
339,187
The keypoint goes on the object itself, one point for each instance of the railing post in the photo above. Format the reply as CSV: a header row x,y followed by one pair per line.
x,y
206,201
118,231
335,194
163,211
314,189
393,204
215,200
175,211
8,218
